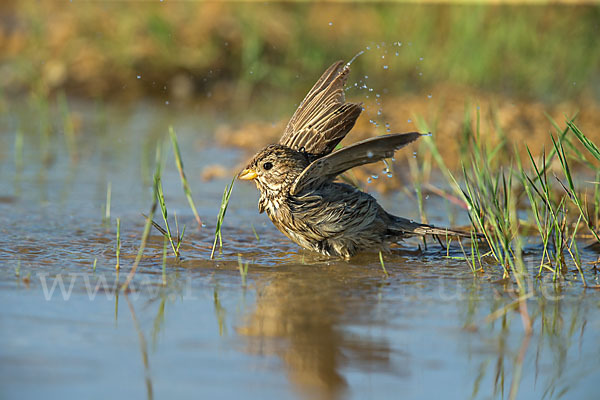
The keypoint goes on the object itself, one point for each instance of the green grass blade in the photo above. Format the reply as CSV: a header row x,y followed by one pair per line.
x,y
221,216
383,264
589,145
118,251
163,208
184,181
147,227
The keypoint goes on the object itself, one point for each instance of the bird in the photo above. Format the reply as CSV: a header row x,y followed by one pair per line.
x,y
296,178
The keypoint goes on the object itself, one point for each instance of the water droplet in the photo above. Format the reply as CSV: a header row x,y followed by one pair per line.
x,y
420,58
368,48
370,89
369,154
331,24
382,56
420,74
427,197
167,102
397,54
369,180
139,77
360,53
385,67
389,175
393,159
375,176
377,95
409,120
366,76
387,167
429,96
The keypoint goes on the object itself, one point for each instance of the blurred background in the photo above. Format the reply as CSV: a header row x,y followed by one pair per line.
x,y
429,67
88,92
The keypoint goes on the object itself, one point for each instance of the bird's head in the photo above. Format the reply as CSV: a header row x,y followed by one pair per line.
x,y
274,169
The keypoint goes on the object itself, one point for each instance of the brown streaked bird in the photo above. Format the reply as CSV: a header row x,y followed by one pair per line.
x,y
296,177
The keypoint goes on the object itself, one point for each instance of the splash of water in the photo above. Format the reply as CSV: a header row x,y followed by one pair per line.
x,y
360,53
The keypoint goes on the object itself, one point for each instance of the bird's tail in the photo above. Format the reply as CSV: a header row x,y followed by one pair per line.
x,y
408,227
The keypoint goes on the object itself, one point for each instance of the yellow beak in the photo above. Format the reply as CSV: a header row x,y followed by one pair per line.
x,y
247,174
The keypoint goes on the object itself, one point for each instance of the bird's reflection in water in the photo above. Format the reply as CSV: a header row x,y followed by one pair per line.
x,y
300,317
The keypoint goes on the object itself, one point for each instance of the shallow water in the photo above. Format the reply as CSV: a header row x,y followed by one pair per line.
x,y
302,327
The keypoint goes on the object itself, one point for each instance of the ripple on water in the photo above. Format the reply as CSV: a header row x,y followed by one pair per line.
x,y
301,323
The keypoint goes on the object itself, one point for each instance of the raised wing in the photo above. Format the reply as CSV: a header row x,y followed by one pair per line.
x,y
368,151
323,118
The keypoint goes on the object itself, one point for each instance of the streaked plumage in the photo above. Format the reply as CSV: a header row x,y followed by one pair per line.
x,y
295,178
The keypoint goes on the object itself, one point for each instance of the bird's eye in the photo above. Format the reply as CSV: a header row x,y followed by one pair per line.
x,y
268,165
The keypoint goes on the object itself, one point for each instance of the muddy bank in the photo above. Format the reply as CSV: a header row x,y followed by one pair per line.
x,y
453,114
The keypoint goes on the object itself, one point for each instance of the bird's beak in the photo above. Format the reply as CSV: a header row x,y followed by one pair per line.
x,y
247,174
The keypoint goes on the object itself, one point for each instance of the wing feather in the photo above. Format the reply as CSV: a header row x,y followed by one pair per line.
x,y
367,151
323,118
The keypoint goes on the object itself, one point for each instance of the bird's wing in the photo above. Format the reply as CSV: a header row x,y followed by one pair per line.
x,y
323,118
368,151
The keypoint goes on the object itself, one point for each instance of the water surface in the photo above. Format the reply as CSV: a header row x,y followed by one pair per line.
x,y
302,326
